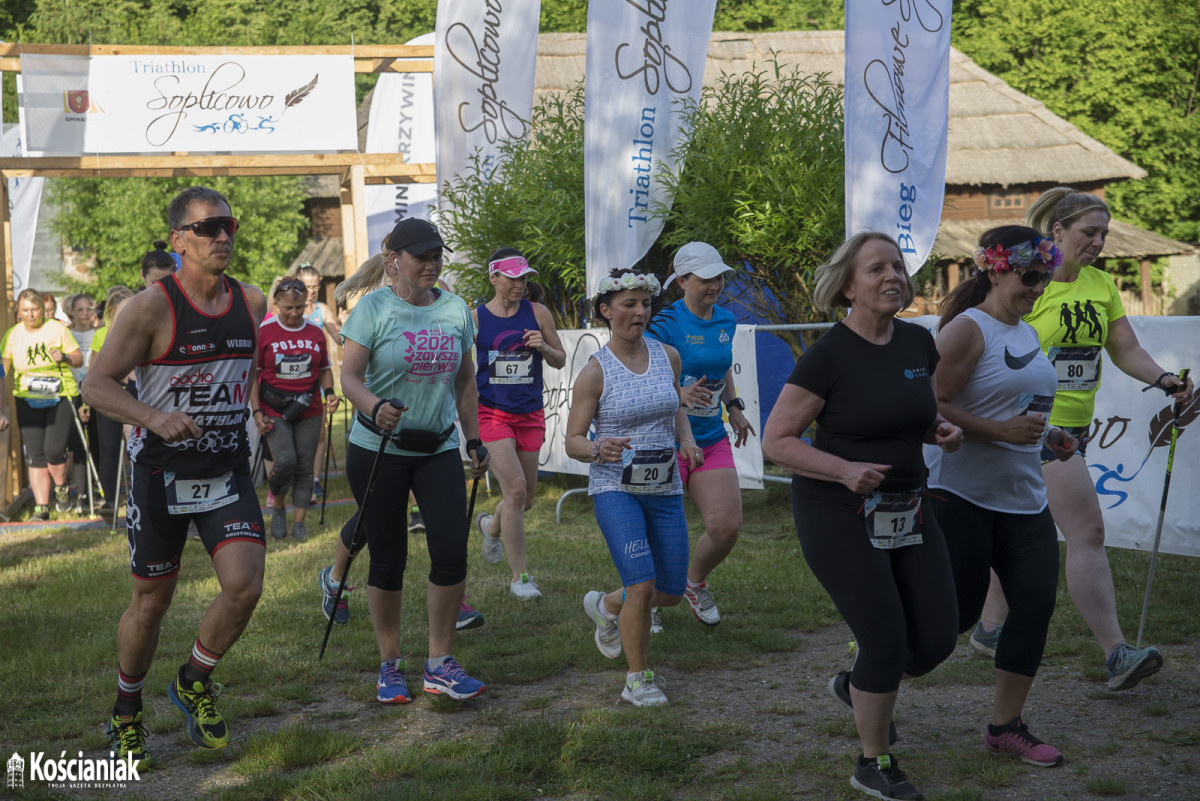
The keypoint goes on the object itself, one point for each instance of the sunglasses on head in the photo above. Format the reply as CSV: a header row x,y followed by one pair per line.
x,y
1032,278
209,226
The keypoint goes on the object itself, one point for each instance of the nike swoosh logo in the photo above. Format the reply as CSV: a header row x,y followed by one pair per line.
x,y
1020,362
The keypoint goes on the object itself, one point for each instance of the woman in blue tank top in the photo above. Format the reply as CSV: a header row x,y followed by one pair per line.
x,y
514,337
630,391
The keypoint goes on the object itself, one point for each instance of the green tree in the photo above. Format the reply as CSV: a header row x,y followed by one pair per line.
x,y
115,221
533,200
762,182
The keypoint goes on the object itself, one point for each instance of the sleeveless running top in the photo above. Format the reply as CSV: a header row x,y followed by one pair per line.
x,y
316,318
508,374
641,407
203,374
1012,377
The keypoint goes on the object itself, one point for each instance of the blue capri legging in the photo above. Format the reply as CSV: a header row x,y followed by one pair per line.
x,y
647,536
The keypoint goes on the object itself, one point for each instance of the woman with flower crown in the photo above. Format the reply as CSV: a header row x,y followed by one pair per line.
x,y
989,497
630,391
862,516
1079,314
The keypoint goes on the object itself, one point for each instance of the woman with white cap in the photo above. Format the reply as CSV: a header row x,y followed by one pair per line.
x,y
514,336
703,333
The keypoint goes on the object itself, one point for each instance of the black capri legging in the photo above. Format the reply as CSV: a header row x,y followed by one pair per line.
x,y
44,432
437,483
899,603
1023,550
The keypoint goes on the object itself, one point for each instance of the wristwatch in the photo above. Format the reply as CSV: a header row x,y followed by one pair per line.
x,y
736,403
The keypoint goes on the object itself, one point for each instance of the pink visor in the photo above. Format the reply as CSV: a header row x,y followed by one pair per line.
x,y
512,266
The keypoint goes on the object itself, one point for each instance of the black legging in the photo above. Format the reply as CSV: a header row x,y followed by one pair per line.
x,y
1023,550
898,603
112,441
437,483
44,432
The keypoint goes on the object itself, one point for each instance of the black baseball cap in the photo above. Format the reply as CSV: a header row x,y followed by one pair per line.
x,y
415,236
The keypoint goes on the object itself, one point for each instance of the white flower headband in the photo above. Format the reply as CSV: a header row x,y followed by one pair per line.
x,y
630,281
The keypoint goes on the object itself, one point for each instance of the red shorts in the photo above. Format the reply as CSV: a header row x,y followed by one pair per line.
x,y
716,456
529,430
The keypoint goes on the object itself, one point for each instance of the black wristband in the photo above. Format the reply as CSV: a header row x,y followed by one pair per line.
x,y
474,444
375,411
1158,383
256,411
736,403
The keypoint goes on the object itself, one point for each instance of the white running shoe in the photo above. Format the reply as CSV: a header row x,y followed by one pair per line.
x,y
703,607
525,589
655,621
641,690
608,634
493,549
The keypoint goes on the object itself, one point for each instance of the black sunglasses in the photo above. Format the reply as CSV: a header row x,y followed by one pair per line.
x,y
209,226
1032,278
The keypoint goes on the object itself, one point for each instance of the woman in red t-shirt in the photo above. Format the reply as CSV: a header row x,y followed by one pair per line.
x,y
294,386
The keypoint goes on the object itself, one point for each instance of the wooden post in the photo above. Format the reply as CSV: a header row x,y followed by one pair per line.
x,y
11,454
358,208
1148,306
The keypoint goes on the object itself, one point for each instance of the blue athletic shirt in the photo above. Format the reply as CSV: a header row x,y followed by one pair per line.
x,y
507,372
706,350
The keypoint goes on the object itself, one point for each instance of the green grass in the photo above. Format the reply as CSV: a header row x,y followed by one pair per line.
x,y
64,591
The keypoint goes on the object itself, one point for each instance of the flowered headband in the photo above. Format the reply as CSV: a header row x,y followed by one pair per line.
x,y
630,281
1019,255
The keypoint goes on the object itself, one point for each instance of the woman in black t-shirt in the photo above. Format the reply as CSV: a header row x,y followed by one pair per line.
x,y
865,529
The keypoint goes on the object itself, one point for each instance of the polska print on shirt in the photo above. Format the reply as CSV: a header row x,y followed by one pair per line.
x,y
432,355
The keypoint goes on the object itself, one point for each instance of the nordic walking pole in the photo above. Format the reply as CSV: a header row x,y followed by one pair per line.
x,y
93,475
355,546
120,470
325,476
1162,511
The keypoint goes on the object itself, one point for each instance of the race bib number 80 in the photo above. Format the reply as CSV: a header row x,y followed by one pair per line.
x,y
1077,368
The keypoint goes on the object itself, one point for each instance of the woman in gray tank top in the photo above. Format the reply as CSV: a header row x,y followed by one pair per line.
x,y
630,391
989,497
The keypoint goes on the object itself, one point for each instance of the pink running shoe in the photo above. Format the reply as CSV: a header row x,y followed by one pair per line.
x,y
1014,738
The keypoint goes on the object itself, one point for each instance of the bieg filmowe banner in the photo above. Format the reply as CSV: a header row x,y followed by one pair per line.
x,y
642,57
897,114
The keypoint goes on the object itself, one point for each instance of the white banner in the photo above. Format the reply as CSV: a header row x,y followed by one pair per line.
x,y
580,345
897,114
24,201
642,57
55,103
401,121
483,69
199,104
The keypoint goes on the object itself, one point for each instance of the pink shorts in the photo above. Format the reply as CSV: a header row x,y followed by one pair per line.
x,y
716,456
529,430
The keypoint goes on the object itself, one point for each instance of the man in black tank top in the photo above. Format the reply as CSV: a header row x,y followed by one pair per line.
x,y
191,338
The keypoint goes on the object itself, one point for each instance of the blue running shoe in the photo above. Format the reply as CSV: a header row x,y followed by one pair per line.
x,y
340,614
468,618
1128,665
391,689
317,491
450,679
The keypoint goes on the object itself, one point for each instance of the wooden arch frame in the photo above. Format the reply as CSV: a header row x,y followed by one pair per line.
x,y
355,170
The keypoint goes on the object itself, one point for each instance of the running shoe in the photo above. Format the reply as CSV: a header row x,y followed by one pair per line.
x,y
468,618
839,688
985,642
493,549
524,588
1128,665
206,727
127,735
41,513
62,499
415,521
278,523
390,688
317,490
299,531
641,690
340,613
701,602
450,679
881,777
1014,738
655,620
608,634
